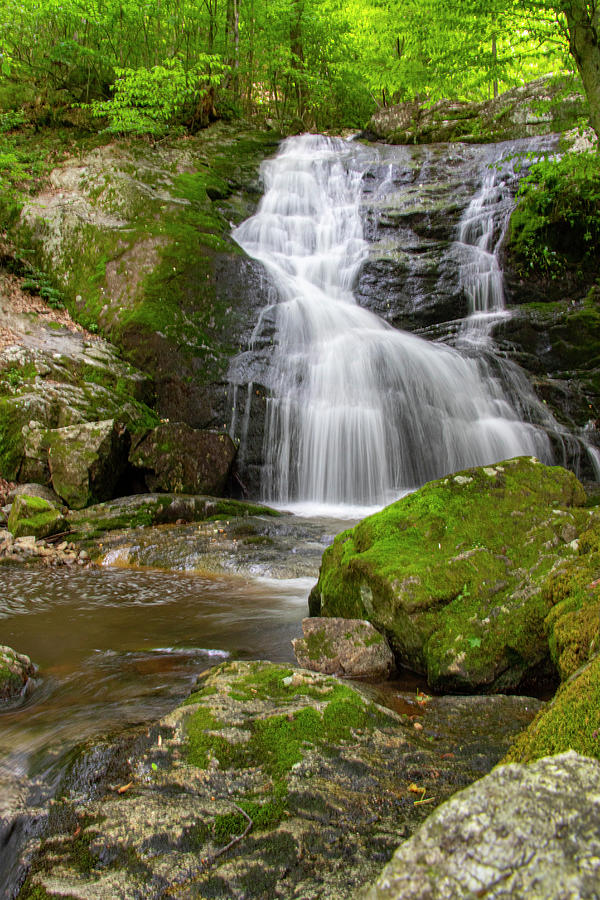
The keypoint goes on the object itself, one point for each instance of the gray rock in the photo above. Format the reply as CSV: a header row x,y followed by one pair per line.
x,y
36,490
15,671
178,458
517,113
337,646
326,777
530,832
86,461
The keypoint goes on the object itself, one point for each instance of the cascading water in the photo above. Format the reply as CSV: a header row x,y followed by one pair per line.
x,y
359,412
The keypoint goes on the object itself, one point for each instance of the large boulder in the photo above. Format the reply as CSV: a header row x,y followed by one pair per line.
x,y
86,461
458,575
15,671
349,647
35,516
531,109
268,782
524,832
175,457
570,722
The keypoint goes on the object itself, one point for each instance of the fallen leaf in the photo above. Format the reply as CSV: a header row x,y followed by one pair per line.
x,y
124,787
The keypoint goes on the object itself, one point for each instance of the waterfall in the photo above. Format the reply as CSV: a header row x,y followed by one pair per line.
x,y
359,412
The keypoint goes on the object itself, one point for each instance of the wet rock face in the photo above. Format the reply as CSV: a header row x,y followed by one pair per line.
x,y
269,782
522,831
175,457
349,647
462,574
15,671
173,290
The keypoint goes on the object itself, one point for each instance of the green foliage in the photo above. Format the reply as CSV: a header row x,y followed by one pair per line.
x,y
303,63
148,101
556,225
39,283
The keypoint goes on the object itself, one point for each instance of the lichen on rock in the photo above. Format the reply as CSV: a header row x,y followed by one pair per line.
x,y
521,832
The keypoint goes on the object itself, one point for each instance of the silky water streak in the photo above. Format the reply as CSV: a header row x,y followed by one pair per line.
x,y
359,412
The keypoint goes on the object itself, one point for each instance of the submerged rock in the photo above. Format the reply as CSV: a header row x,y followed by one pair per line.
x,y
525,832
175,457
459,575
349,647
268,782
15,671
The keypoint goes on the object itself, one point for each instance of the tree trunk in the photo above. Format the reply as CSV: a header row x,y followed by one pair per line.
x,y
297,48
583,21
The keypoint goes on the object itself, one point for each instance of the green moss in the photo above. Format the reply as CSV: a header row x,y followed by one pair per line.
x,y
276,742
437,570
318,645
12,418
556,225
570,722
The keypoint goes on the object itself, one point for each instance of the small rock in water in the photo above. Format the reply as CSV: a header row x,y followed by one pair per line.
x,y
337,646
15,671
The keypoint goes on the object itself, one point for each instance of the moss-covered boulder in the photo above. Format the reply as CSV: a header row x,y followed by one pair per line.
x,y
138,238
35,516
175,457
86,461
62,381
456,574
540,107
270,782
349,647
15,671
571,721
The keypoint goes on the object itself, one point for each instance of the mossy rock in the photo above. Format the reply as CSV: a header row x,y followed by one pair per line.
x,y
15,671
86,461
141,248
454,573
175,457
141,510
570,722
35,516
311,781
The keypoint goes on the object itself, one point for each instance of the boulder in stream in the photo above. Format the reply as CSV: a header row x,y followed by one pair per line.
x,y
461,575
524,832
15,671
349,647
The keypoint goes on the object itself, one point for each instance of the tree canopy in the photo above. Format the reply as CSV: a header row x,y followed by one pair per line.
x,y
158,64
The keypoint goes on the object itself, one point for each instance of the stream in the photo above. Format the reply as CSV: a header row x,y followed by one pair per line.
x,y
116,647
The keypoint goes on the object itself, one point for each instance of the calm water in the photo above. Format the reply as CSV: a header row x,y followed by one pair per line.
x,y
118,647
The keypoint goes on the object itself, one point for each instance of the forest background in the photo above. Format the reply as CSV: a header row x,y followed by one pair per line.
x,y
158,65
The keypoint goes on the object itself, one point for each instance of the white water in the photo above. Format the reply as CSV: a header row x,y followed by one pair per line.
x,y
360,412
